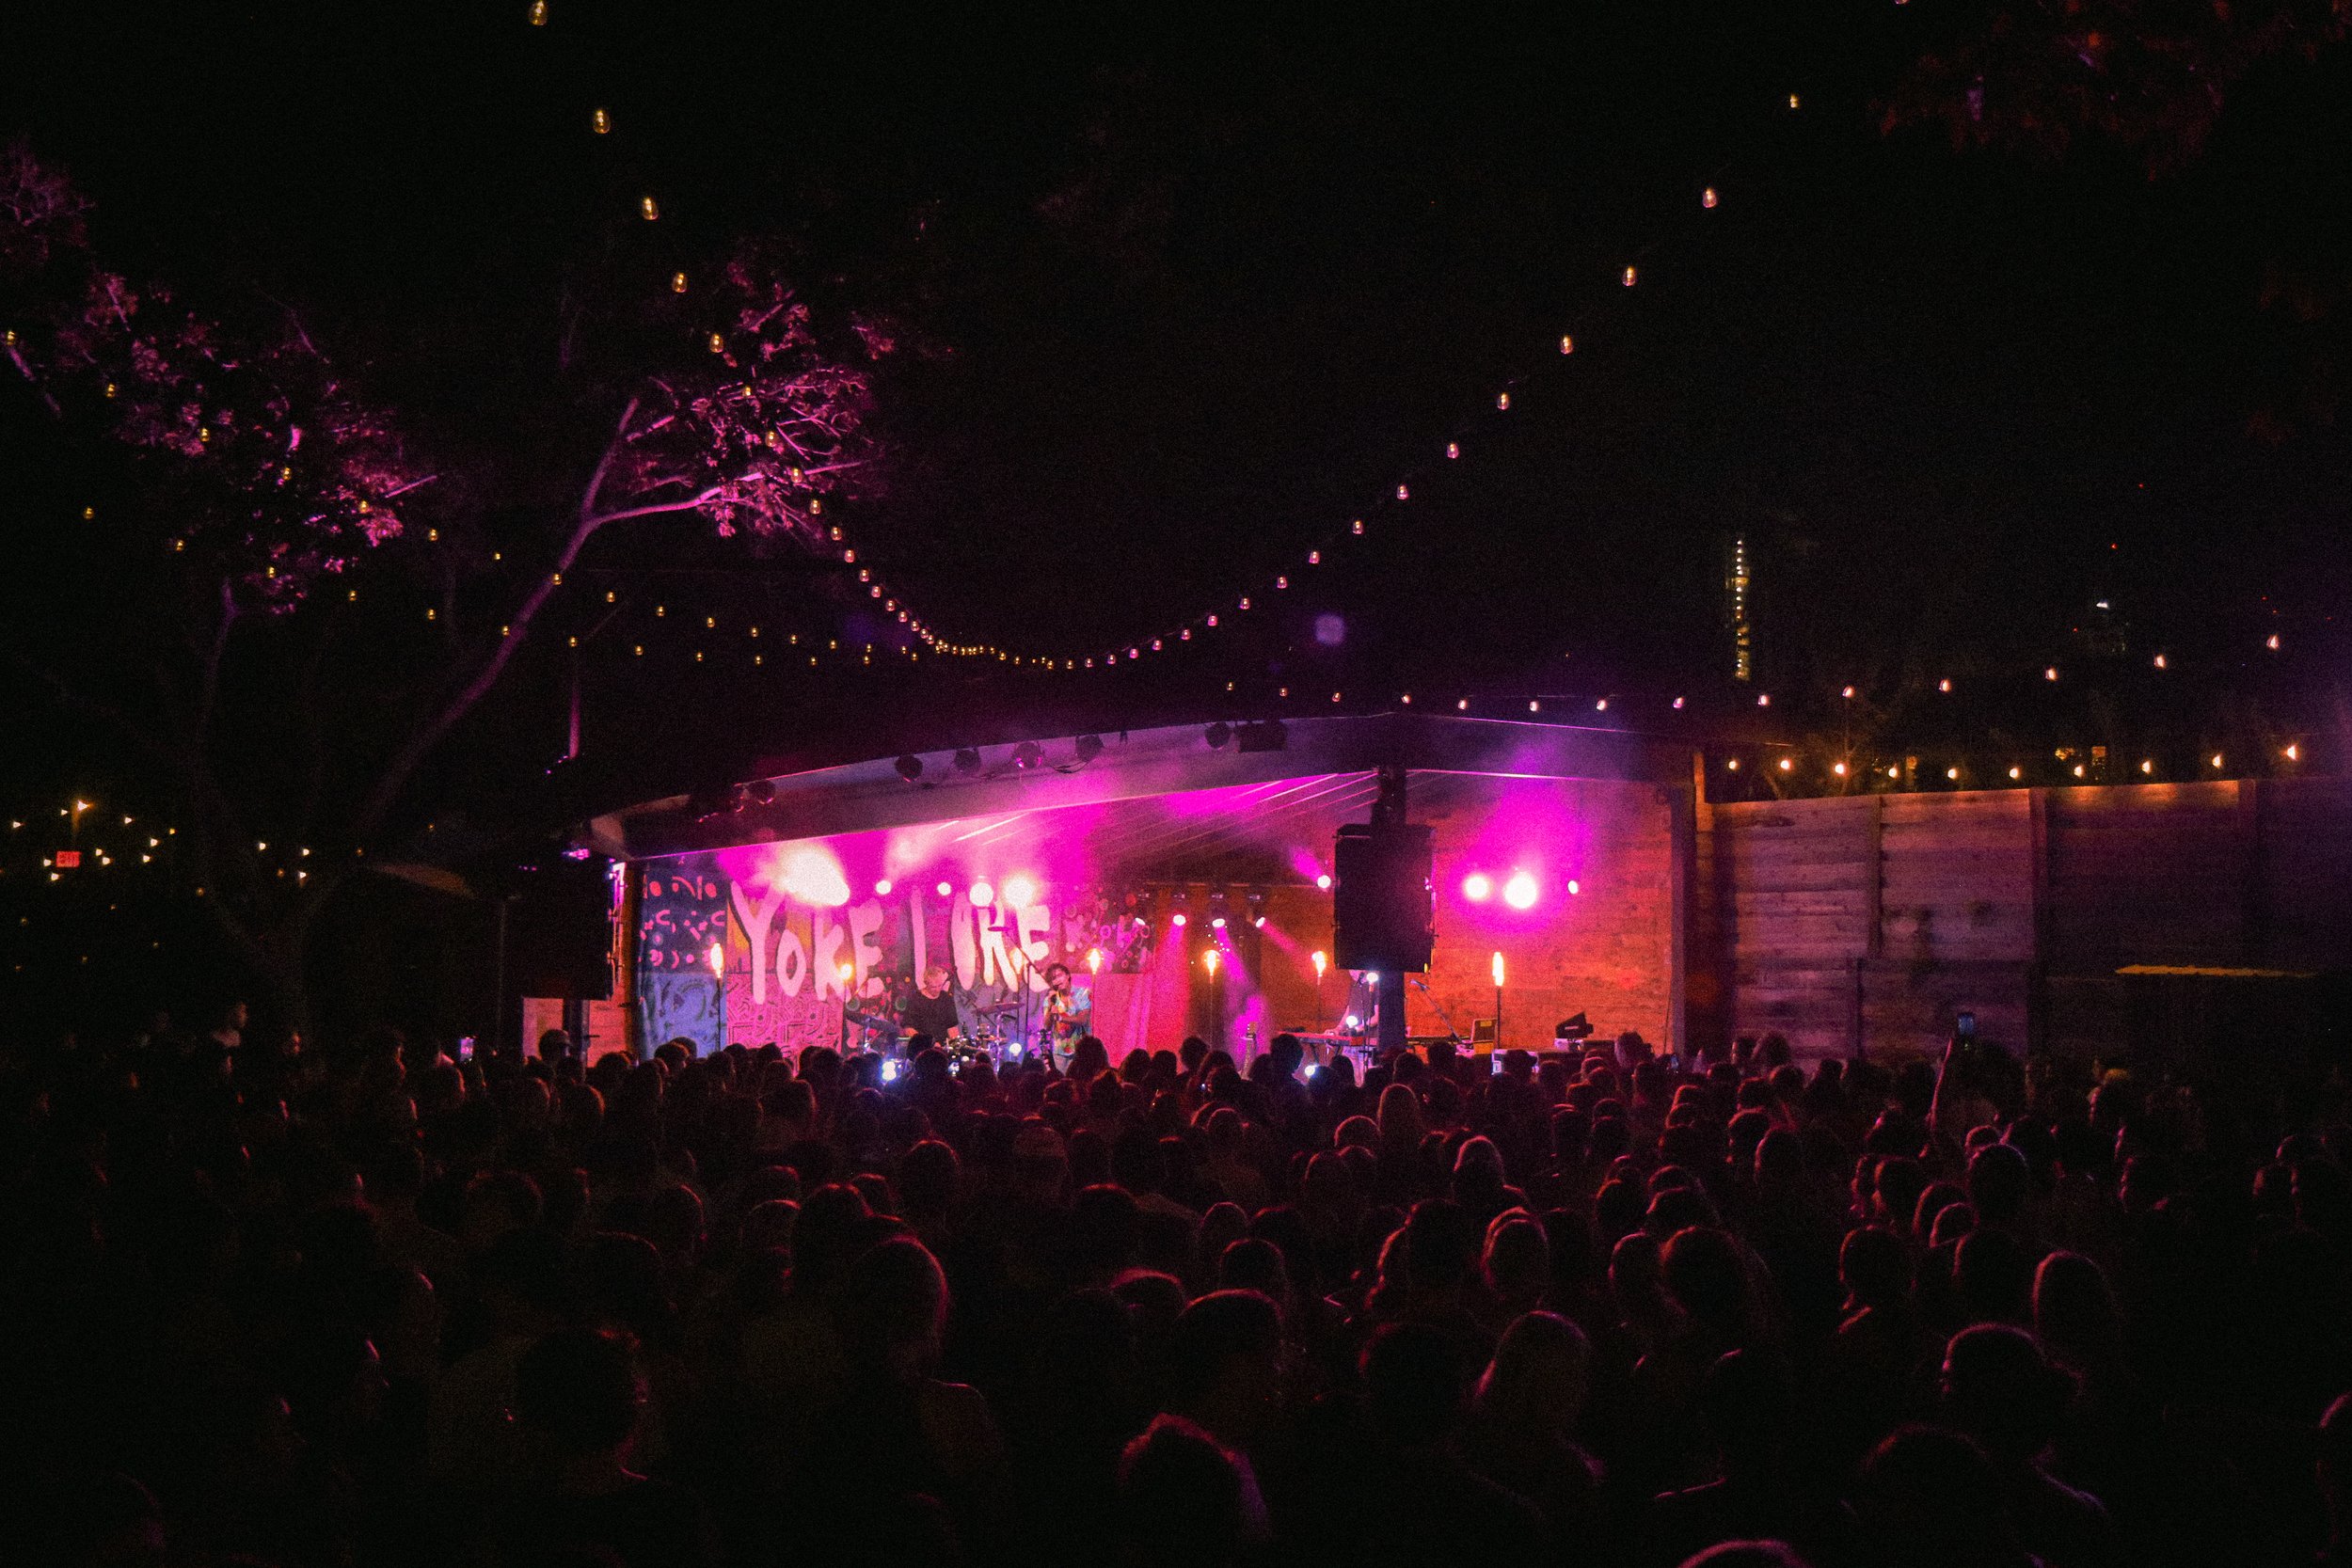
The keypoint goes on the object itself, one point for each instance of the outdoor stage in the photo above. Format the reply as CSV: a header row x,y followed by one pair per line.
x,y
1182,874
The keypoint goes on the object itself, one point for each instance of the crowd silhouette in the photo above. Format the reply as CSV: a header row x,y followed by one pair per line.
x,y
374,1306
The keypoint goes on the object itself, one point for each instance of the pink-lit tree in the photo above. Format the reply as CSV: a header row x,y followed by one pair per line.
x,y
265,489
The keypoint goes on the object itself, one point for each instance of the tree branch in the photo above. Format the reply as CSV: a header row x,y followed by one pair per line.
x,y
430,732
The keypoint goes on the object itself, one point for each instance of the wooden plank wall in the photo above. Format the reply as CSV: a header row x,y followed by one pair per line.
x,y
1871,921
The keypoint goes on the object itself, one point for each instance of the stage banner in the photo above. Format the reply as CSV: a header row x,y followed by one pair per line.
x,y
800,961
681,921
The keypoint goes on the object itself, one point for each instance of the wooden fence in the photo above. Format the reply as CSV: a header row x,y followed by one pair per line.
x,y
1870,922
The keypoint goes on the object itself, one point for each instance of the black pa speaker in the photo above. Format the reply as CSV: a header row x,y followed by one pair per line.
x,y
1384,916
559,936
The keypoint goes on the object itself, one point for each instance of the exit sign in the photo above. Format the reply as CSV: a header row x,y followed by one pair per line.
x,y
69,859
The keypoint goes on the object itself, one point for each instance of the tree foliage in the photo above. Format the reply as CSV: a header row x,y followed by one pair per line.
x,y
2148,76
260,475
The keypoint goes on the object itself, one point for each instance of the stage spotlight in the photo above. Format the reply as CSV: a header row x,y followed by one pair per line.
x,y
1573,889
882,888
982,895
1478,887
947,889
1088,747
1218,923
1323,882
1176,919
1353,1022
968,760
1020,892
1216,735
909,768
1520,892
1027,755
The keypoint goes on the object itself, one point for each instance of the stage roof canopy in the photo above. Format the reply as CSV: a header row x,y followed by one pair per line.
x,y
1284,778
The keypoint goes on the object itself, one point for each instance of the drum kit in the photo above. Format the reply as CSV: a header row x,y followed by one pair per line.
x,y
996,1035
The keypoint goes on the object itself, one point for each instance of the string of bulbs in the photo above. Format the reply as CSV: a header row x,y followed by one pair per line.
x,y
1175,636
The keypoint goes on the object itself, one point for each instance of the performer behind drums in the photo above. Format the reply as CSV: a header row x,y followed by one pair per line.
x,y
930,1006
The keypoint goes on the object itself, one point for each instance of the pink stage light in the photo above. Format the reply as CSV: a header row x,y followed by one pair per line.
x,y
1573,889
882,888
947,889
1323,882
1478,887
1520,892
812,876
1176,919
1020,892
982,895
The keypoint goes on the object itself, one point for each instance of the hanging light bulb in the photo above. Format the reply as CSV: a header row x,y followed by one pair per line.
x,y
1503,401
602,120
1403,494
539,13
649,208
1707,198
1631,276
1567,343
1453,448
677,283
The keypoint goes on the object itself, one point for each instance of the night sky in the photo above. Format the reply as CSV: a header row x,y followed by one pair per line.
x,y
1188,292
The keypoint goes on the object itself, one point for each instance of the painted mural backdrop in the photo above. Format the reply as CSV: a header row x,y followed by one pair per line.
x,y
800,960
682,916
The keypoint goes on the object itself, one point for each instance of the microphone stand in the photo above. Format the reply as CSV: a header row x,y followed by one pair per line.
x,y
1441,1011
